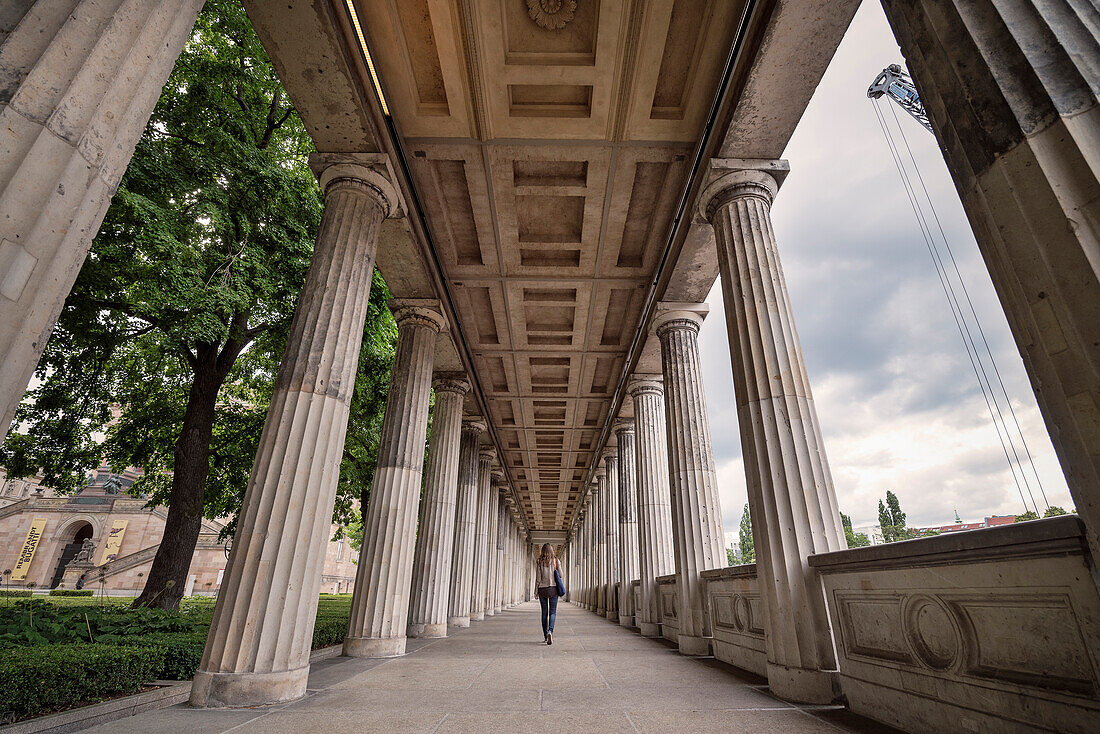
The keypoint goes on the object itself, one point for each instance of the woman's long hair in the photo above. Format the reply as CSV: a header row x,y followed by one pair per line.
x,y
546,558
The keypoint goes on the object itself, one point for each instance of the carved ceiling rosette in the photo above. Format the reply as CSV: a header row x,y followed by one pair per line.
x,y
553,15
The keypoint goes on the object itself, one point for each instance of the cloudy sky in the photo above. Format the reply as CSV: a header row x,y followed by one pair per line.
x,y
899,405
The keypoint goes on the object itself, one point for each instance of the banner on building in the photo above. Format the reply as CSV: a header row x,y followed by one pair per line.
x,y
34,535
113,542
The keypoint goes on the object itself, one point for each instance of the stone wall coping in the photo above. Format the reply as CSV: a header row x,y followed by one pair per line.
x,y
1052,536
669,579
743,571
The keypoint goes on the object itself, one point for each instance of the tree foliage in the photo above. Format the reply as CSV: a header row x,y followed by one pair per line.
x,y
181,311
744,537
892,519
1026,516
855,540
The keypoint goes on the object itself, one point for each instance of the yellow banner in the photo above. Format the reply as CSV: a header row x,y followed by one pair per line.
x,y
114,542
34,535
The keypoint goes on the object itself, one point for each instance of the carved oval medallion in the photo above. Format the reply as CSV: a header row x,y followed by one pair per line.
x,y
932,632
551,14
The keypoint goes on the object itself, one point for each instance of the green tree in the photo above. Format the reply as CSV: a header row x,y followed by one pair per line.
x,y
744,533
892,519
1054,511
855,540
731,557
1029,515
181,311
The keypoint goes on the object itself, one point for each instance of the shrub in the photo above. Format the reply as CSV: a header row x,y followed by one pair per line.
x,y
16,592
71,592
181,652
42,678
329,631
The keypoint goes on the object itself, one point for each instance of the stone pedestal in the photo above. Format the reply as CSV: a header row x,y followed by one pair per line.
x,y
383,580
611,490
1010,89
257,650
431,587
79,80
790,491
696,512
462,571
628,521
480,582
655,554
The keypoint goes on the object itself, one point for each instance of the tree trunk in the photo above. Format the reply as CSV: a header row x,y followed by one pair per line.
x,y
168,574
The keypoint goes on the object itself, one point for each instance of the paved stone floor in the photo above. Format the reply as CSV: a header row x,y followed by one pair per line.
x,y
498,676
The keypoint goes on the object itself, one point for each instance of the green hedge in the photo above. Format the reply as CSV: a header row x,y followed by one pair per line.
x,y
71,592
180,652
16,592
43,678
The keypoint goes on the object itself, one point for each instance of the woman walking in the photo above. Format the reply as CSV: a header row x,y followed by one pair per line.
x,y
546,588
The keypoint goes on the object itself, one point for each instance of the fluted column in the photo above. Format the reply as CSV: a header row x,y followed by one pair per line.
x,y
603,567
462,560
611,488
655,554
790,490
79,79
383,579
435,532
628,521
1010,89
498,552
491,550
257,649
693,479
479,584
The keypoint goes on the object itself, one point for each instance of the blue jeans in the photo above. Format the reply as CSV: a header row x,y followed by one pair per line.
x,y
549,613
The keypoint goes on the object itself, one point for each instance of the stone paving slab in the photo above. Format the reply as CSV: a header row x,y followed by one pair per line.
x,y
498,676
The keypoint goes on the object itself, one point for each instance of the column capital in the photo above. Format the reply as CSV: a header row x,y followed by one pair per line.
x,y
455,382
426,312
372,170
609,452
487,455
497,475
732,178
623,425
673,315
473,425
645,385
600,471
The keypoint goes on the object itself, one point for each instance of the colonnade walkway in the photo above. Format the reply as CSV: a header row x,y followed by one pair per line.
x,y
498,676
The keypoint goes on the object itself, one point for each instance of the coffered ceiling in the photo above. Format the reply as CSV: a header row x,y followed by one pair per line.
x,y
548,141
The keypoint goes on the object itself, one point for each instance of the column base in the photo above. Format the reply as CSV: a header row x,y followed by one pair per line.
x,y
649,629
220,690
689,645
489,612
500,609
601,612
612,615
800,685
626,620
374,647
427,631
458,621
477,617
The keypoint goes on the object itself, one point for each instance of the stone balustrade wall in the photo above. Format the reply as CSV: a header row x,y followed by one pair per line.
x,y
988,630
668,604
737,614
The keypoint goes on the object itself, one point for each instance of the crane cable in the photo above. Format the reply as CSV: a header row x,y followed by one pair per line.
x,y
993,404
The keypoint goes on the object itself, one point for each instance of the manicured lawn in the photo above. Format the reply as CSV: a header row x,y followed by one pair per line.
x,y
56,652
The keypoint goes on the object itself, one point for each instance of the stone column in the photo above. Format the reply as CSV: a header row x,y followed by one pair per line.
x,y
1010,89
492,580
599,515
628,521
499,573
257,650
435,532
479,585
462,560
655,554
611,489
591,512
383,579
790,490
696,512
79,81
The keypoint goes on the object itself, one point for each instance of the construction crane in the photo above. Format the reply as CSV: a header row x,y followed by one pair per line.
x,y
898,86
893,82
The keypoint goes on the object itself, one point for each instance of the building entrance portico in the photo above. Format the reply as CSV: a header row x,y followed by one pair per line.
x,y
73,538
